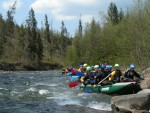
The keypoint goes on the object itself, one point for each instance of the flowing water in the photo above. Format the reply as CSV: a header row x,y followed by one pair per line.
x,y
44,92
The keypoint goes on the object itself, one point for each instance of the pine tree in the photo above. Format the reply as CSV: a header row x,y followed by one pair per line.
x,y
2,35
47,32
9,22
121,14
31,34
64,34
80,28
47,36
113,13
39,49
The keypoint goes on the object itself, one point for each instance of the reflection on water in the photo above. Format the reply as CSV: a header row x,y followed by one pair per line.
x,y
36,91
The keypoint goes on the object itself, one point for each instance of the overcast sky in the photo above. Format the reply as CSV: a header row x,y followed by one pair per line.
x,y
57,11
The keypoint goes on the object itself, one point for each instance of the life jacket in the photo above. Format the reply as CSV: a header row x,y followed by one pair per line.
x,y
73,71
115,75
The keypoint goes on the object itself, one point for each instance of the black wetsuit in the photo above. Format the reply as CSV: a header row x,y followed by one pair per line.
x,y
130,74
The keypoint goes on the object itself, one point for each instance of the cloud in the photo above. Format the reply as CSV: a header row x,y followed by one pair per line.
x,y
83,2
9,3
86,18
48,5
65,9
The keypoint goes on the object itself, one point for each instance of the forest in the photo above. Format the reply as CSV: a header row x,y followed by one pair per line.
x,y
122,37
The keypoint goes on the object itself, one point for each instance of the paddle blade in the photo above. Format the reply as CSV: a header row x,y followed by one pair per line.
x,y
73,84
88,91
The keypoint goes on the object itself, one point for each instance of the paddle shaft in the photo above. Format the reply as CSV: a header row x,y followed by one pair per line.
x,y
104,79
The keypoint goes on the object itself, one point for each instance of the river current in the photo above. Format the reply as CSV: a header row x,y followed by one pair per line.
x,y
44,92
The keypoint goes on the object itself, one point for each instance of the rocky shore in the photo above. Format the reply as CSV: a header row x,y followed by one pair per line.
x,y
22,67
134,103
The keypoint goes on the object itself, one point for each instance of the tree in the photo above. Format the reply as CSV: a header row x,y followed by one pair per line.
x,y
121,14
80,28
47,36
64,35
2,35
10,17
47,32
39,49
31,35
113,13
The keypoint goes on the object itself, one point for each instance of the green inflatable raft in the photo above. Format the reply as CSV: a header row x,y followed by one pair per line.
x,y
117,88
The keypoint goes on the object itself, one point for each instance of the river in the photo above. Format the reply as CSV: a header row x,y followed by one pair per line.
x,y
45,92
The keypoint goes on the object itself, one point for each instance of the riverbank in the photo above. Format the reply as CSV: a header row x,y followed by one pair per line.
x,y
21,67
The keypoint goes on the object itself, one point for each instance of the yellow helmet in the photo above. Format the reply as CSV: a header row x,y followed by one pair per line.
x,y
85,65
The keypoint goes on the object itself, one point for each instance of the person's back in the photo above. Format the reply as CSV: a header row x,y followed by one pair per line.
x,y
86,80
131,73
116,74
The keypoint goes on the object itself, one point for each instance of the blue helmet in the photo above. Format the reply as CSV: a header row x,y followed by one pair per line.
x,y
81,65
108,67
132,66
102,66
92,66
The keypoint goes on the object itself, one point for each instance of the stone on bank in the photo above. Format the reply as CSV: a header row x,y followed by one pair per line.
x,y
132,103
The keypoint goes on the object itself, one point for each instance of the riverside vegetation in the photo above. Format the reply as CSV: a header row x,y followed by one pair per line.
x,y
120,36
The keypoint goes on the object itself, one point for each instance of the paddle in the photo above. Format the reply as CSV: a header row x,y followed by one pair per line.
x,y
73,84
104,79
88,91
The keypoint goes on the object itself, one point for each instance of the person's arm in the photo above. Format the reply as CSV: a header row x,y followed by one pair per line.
x,y
138,75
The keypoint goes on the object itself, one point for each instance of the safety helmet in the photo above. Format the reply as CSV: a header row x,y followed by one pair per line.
x,y
85,65
108,67
70,68
92,66
116,65
132,66
88,68
96,66
102,66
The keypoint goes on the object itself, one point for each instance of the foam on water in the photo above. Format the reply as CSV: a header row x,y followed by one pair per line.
x,y
3,89
69,102
83,94
31,77
44,84
14,93
31,89
57,98
99,106
43,92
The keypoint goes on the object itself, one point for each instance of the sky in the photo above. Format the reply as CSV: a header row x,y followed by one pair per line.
x,y
69,11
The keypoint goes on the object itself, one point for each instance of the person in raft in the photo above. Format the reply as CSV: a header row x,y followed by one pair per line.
x,y
116,74
86,79
130,74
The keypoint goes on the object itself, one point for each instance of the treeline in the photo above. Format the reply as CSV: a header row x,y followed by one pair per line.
x,y
124,38
29,45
